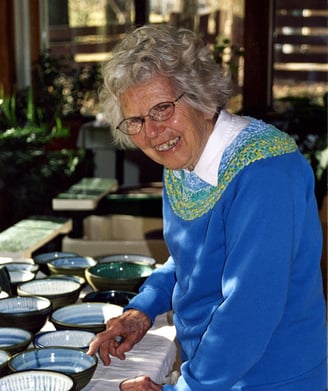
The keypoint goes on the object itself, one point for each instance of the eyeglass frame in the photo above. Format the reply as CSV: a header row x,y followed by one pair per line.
x,y
143,118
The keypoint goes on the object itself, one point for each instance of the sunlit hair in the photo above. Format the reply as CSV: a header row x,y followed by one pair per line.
x,y
179,55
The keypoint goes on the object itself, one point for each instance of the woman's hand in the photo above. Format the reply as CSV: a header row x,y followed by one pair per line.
x,y
121,334
140,383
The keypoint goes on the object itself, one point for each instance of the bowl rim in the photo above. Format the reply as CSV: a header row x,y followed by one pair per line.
x,y
37,260
53,319
41,372
93,359
52,263
88,272
102,258
46,309
41,334
77,288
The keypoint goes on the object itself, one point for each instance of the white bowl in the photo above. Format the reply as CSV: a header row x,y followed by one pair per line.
x,y
59,290
33,380
84,316
14,339
79,339
73,362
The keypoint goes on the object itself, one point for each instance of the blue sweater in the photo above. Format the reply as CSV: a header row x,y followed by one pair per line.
x,y
243,278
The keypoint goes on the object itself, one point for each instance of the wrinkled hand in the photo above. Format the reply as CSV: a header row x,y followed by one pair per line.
x,y
121,334
140,383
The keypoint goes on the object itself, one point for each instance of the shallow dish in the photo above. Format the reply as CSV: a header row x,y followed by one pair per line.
x,y
70,265
28,312
14,339
43,258
59,290
84,316
133,258
79,339
33,380
121,298
117,275
73,362
4,360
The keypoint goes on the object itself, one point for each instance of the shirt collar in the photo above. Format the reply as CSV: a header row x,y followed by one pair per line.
x,y
226,129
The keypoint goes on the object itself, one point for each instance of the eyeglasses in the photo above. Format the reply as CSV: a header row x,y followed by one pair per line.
x,y
160,112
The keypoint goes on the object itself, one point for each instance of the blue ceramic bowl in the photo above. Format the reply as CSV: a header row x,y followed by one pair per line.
x,y
121,298
42,259
73,362
37,380
84,316
79,339
30,313
14,339
70,265
59,290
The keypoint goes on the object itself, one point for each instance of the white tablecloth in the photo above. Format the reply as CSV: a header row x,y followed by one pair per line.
x,y
154,356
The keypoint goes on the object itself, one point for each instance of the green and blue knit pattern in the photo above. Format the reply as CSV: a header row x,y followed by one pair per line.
x,y
190,197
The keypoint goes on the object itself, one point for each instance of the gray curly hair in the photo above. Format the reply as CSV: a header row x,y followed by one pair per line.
x,y
179,55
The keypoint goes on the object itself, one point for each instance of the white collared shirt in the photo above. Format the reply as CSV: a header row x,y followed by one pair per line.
x,y
226,129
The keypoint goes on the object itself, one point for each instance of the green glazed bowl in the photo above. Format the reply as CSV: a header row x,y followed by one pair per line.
x,y
125,276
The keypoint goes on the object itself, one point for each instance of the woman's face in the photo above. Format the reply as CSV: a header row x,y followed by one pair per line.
x,y
175,143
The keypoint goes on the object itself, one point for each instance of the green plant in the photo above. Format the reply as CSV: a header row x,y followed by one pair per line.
x,y
227,55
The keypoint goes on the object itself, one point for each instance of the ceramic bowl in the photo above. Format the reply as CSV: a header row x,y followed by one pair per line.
x,y
43,258
4,360
4,295
31,313
14,339
59,290
37,380
134,258
22,266
73,362
70,265
84,316
19,276
125,276
80,280
121,298
79,339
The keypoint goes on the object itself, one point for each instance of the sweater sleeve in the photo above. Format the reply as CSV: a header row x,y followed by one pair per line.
x,y
155,295
263,224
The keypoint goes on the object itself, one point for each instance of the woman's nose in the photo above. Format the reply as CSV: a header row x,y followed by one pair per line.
x,y
153,128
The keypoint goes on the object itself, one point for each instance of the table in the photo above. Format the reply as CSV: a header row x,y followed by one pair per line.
x,y
28,235
154,355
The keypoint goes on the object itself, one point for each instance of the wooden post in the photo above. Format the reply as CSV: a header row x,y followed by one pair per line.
x,y
7,47
257,94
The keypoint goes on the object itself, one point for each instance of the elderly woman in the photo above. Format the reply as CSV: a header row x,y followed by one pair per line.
x,y
240,222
